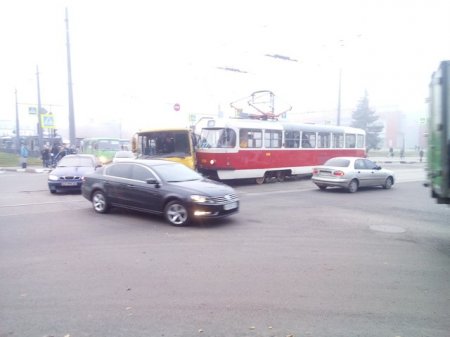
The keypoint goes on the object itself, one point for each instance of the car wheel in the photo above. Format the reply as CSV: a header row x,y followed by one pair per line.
x,y
99,202
176,213
322,187
260,180
388,183
53,191
353,186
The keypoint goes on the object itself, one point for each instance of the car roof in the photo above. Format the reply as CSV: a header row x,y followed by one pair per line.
x,y
79,156
150,162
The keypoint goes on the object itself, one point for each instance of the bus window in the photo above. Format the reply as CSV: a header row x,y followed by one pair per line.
x,y
250,138
272,138
308,139
350,140
323,140
360,141
292,139
338,140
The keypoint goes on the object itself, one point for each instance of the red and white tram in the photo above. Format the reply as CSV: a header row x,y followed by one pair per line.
x,y
267,149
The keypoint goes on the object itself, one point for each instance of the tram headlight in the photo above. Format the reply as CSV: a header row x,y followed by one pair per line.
x,y
212,161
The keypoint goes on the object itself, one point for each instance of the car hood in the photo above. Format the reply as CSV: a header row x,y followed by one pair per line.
x,y
72,171
205,187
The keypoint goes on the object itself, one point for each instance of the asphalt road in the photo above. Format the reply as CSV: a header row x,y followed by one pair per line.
x,y
295,261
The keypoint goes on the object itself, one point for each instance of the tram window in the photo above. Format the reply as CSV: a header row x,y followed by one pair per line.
x,y
338,140
309,139
292,139
324,140
250,138
272,138
360,141
227,138
350,140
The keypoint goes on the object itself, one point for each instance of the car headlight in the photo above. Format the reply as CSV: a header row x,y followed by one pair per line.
x,y
199,198
52,177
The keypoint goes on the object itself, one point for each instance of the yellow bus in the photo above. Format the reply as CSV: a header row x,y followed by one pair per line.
x,y
175,144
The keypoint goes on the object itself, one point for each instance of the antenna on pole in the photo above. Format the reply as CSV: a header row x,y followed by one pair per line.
x,y
69,77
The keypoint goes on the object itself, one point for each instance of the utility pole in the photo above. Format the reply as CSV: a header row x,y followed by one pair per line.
x,y
17,124
339,98
72,136
39,128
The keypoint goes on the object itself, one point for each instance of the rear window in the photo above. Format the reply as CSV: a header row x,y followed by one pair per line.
x,y
337,162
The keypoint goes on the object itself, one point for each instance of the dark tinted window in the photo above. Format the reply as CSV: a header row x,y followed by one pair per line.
x,y
120,170
141,173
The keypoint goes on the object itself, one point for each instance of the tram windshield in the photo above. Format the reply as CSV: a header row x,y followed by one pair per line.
x,y
217,138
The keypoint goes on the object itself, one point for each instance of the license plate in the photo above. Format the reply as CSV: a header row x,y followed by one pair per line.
x,y
69,183
229,206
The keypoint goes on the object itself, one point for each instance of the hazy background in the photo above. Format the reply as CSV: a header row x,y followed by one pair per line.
x,y
133,60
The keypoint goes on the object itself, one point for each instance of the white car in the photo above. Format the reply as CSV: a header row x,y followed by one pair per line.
x,y
351,173
123,155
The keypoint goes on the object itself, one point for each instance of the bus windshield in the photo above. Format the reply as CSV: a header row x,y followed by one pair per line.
x,y
217,137
108,145
175,145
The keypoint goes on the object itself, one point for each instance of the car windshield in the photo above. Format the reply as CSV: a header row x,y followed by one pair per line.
x,y
76,161
176,173
337,162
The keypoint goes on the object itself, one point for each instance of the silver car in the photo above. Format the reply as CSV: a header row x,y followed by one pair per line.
x,y
351,173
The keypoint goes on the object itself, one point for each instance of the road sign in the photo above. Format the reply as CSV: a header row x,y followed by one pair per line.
x,y
47,122
176,107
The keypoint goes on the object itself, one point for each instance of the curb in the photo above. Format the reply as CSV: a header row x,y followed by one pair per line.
x,y
28,169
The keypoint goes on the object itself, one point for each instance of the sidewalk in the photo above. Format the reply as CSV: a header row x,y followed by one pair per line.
x,y
397,160
29,169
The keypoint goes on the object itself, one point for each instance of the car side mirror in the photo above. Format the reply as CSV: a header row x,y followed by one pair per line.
x,y
152,181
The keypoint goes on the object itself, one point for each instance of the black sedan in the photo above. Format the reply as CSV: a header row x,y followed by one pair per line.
x,y
68,174
159,187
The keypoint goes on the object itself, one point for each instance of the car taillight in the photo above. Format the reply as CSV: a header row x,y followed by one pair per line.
x,y
338,173
315,171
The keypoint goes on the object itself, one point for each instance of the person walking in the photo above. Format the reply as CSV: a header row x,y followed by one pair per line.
x,y
23,155
421,155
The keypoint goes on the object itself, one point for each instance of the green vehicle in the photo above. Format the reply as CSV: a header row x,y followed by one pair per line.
x,y
103,148
439,134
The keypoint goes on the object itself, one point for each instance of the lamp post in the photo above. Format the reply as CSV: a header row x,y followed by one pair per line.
x,y
339,98
17,124
39,128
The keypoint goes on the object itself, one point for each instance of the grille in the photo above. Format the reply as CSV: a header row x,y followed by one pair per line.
x,y
224,199
70,178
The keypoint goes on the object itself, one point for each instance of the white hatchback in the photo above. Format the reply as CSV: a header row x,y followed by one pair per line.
x,y
351,173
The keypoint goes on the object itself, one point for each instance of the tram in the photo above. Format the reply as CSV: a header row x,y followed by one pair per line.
x,y
267,149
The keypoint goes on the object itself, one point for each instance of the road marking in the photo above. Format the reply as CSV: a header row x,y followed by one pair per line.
x,y
41,203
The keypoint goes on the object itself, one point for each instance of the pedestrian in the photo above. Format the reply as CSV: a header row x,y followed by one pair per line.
x,y
23,155
46,156
402,154
421,155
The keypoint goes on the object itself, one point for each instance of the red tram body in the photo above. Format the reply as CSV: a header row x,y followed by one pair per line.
x,y
266,149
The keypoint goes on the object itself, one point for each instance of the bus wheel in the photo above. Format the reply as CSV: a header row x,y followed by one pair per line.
x,y
260,180
280,176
